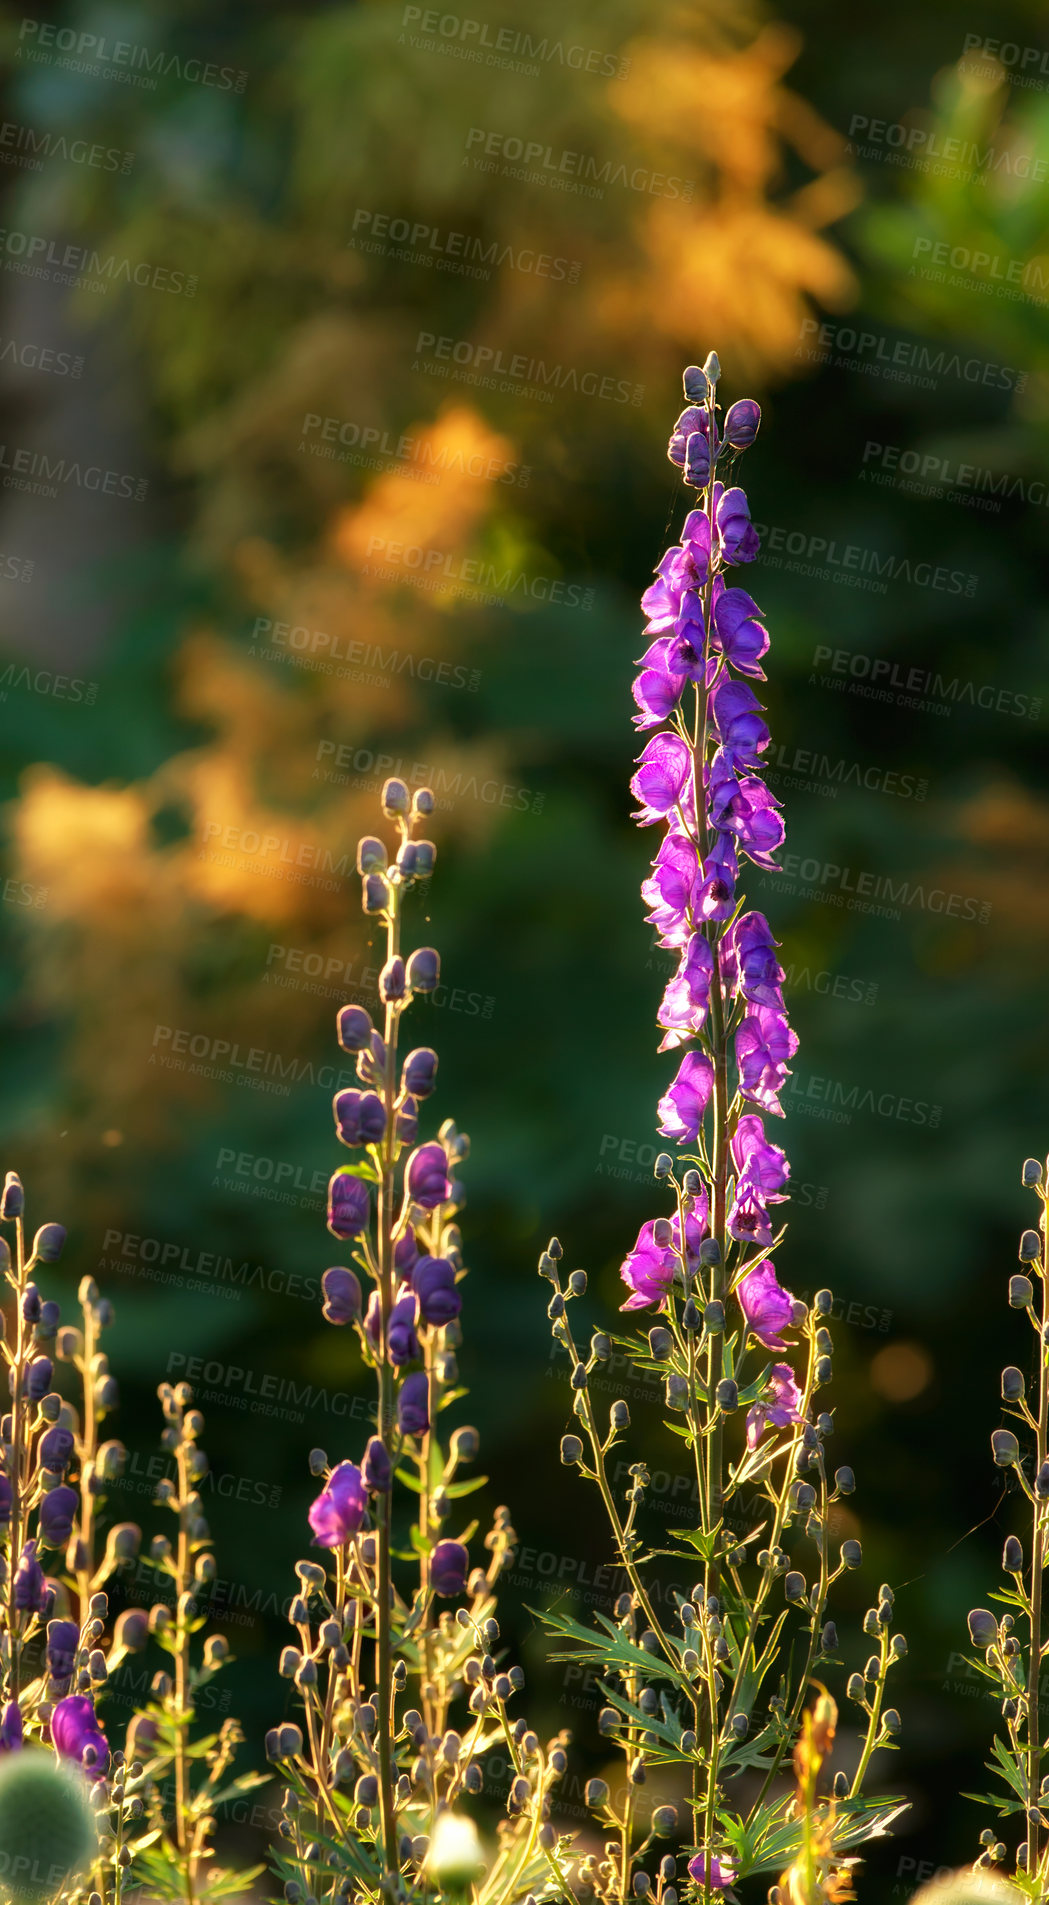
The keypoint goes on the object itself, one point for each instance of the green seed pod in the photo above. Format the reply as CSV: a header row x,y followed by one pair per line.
x,y
47,1830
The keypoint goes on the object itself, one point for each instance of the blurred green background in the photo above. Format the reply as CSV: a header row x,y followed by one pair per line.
x,y
345,377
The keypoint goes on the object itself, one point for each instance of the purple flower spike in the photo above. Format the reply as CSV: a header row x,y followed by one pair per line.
x,y
342,1295
682,1107
661,779
339,1509
57,1511
11,1728
348,1205
413,1404
427,1178
433,1281
78,1736
782,1404
360,1117
449,1563
766,1306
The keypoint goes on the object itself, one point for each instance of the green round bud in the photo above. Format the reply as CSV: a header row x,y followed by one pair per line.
x,y
47,1831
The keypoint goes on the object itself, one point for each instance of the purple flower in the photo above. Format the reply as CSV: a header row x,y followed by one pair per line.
x,y
748,963
649,1269
738,537
767,1307
406,1253
402,1342
715,893
682,1106
741,423
424,969
63,1639
78,1736
348,1205
763,1164
663,775
741,730
11,1728
668,893
697,1216
360,1117
782,1404
658,688
694,421
748,1220
448,1568
722,1870
355,1028
427,1178
38,1378
683,1008
392,980
342,1295
413,1404
30,1585
743,805
57,1510
339,1509
377,1468
5,1500
406,1122
56,1450
419,1075
433,1281
764,1042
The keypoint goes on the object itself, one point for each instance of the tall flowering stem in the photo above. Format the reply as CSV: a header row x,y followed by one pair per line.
x,y
739,1358
1013,1647
402,1701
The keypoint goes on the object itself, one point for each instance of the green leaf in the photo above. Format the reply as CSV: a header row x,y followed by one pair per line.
x,y
455,1489
363,1168
610,1647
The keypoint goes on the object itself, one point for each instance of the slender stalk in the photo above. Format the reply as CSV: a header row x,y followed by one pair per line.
x,y
1034,1770
385,1221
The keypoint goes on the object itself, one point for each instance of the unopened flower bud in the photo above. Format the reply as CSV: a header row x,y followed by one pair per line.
x,y
829,1638
676,1392
596,1794
844,1481
1021,1292
794,1585
619,1415
355,1029
12,1199
395,798
851,1554
571,1450
371,855
1030,1247
660,1342
856,1689
1013,1385
741,423
663,1165
1004,1448
424,969
983,1628
714,1317
1031,1173
1012,1555
695,384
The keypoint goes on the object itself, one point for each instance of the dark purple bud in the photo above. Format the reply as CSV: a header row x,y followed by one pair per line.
x,y
11,1727
419,1075
423,801
348,1205
425,859
57,1510
1012,1555
406,1122
38,1378
50,1318
402,1342
371,1061
1004,1448
433,1281
371,855
5,1501
1013,1385
63,1639
395,798
48,1243
426,1178
405,1254
375,893
56,1447
413,1404
78,1736
1030,1247
31,1303
697,459
406,859
355,1028
342,1295
391,981
983,1628
424,969
377,1468
694,382
30,1586
339,1509
12,1201
360,1117
741,423
449,1563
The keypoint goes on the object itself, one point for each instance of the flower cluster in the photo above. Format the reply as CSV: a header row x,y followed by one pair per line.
x,y
738,1357
403,1692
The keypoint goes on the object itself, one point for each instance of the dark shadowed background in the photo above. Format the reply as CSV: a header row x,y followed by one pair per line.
x,y
339,345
